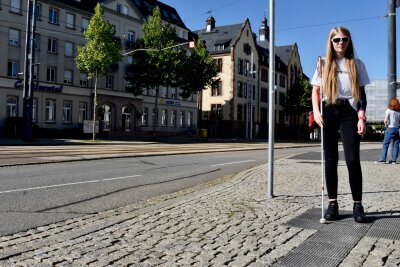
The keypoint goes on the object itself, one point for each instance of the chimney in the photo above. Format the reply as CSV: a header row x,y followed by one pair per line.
x,y
264,30
210,24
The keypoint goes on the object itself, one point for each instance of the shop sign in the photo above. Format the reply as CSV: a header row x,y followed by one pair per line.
x,y
169,102
39,87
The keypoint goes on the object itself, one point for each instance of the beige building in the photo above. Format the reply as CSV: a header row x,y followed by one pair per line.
x,y
243,64
62,95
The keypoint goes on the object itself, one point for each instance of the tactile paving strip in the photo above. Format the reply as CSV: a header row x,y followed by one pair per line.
x,y
329,245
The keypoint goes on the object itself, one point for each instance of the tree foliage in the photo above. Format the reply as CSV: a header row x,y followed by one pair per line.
x,y
153,64
198,71
299,98
158,61
101,49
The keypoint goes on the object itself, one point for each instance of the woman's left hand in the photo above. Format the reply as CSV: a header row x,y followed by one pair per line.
x,y
361,128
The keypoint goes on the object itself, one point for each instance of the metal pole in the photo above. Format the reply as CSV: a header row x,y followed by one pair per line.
x,y
392,79
247,103
271,100
27,99
251,96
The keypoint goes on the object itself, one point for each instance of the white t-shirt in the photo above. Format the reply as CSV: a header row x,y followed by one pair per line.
x,y
394,118
344,90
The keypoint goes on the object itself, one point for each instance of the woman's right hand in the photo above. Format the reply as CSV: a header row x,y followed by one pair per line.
x,y
318,118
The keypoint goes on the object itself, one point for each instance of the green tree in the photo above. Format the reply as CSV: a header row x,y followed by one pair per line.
x,y
197,72
155,58
298,100
101,50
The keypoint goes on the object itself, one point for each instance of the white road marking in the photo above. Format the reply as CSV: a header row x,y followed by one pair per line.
x,y
229,163
68,184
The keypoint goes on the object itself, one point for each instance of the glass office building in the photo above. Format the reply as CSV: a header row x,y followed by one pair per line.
x,y
377,101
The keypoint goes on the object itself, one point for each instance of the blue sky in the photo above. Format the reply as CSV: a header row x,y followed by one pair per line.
x,y
306,23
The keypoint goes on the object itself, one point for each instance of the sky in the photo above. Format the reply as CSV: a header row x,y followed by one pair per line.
x,y
306,23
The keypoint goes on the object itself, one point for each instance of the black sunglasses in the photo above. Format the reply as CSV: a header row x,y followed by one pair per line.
x,y
343,39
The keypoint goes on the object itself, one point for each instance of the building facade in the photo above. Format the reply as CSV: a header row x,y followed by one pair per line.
x,y
62,95
238,105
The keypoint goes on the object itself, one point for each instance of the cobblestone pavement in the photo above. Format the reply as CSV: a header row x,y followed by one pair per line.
x,y
228,222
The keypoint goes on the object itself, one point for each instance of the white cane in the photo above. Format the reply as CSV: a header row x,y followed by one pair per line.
x,y
321,73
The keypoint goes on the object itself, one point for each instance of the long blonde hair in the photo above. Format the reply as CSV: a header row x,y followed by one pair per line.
x,y
331,68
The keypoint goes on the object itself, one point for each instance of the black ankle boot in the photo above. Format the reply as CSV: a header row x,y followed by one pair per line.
x,y
332,212
358,213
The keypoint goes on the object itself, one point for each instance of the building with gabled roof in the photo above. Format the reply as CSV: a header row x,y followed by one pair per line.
x,y
225,108
62,95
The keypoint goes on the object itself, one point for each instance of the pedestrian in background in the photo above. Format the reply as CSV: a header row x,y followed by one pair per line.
x,y
344,103
392,122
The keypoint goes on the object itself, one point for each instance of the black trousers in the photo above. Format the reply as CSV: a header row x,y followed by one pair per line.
x,y
342,117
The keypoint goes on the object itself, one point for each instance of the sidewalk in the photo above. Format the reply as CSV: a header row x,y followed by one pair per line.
x,y
229,222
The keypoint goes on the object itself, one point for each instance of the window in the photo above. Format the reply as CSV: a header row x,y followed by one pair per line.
x,y
164,117
53,15
282,81
68,77
106,118
69,49
50,110
12,106
125,10
119,8
239,112
12,69
163,92
51,74
264,95
67,112
34,109
245,90
35,72
264,75
154,116
83,80
240,66
13,37
181,118
173,118
246,68
127,119
189,119
174,94
218,62
281,99
216,89
38,11
85,24
216,111
36,42
15,6
240,89
83,111
145,116
52,45
109,82
70,21
131,36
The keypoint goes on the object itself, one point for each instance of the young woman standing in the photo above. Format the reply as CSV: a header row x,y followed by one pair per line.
x,y
392,122
344,104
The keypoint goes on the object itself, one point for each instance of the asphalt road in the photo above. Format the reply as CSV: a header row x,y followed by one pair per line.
x,y
37,195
